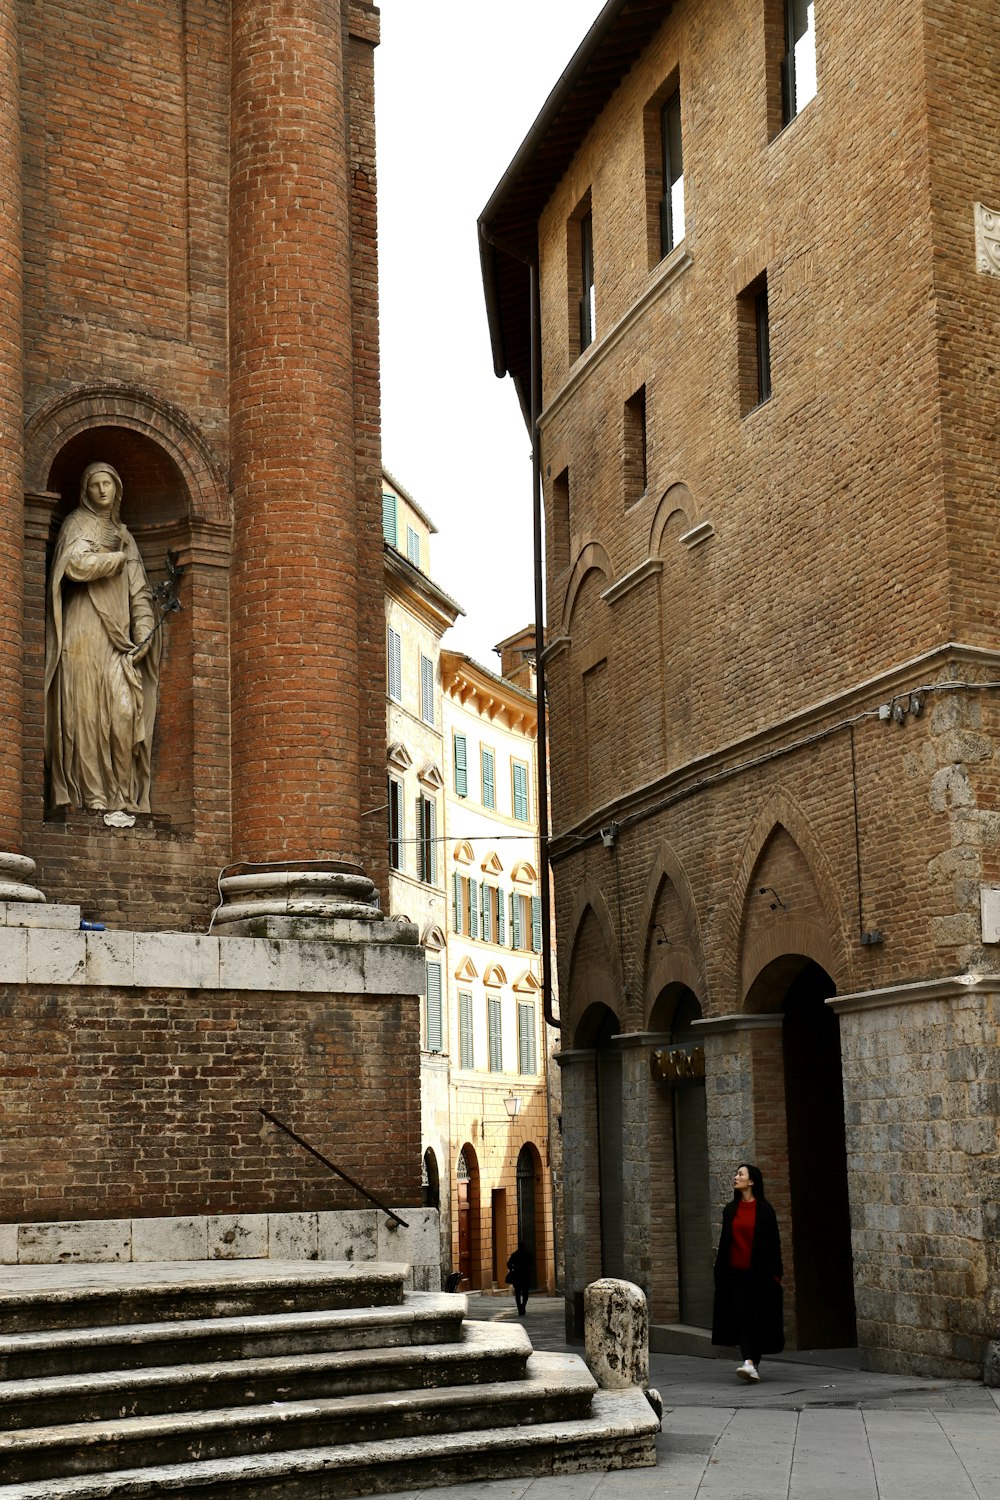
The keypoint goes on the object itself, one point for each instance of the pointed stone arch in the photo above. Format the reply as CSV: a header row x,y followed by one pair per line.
x,y
495,977
591,558
681,958
820,936
433,937
591,920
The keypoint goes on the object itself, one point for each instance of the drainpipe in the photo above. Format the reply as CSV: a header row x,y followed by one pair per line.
x,y
536,516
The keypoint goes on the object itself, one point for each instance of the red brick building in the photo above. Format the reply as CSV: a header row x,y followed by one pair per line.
x,y
188,292
765,238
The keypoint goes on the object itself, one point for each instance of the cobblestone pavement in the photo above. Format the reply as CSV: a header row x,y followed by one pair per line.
x,y
809,1431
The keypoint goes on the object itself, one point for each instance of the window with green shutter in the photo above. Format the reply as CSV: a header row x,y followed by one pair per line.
x,y
493,1030
489,778
395,824
460,746
473,908
501,913
413,546
426,835
526,1056
515,920
465,1041
456,901
520,775
389,518
434,1029
395,650
486,904
426,689
536,924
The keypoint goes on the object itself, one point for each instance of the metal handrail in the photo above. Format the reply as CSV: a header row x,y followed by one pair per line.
x,y
332,1166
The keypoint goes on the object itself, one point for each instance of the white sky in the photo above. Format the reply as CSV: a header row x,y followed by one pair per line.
x,y
458,84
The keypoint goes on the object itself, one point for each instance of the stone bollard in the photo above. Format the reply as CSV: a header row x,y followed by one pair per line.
x,y
991,1372
616,1334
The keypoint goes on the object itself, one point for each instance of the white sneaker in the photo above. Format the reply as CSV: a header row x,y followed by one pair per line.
x,y
748,1371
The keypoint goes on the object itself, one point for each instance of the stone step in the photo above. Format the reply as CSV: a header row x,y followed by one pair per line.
x,y
487,1352
33,1298
421,1318
619,1433
556,1388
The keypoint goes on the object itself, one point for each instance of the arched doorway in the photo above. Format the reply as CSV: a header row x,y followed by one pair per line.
x,y
467,1183
529,1216
817,1164
430,1180
596,1030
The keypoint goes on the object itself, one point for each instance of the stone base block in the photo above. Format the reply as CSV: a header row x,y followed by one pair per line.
x,y
616,1334
991,1369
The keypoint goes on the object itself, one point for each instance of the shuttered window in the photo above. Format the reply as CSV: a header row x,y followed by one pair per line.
x,y
489,778
461,765
493,1029
427,690
456,901
465,1043
515,920
526,1057
486,903
395,665
520,774
434,1032
473,908
536,924
413,546
395,824
501,912
426,834
389,518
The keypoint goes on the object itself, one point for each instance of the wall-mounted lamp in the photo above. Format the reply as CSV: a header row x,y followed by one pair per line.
x,y
512,1104
871,937
608,835
662,937
768,890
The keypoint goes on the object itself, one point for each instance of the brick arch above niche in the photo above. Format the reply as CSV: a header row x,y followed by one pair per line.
x,y
73,413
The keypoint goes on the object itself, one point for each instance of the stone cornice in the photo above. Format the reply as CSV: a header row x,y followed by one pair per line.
x,y
624,585
955,987
723,1024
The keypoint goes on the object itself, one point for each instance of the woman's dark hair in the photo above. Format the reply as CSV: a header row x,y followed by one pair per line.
x,y
756,1178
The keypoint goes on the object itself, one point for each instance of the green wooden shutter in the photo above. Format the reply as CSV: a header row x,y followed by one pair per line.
x,y
465,1041
486,904
434,1008
520,792
515,920
431,876
389,518
413,546
526,1036
461,766
501,914
395,665
473,908
421,842
456,901
495,1039
536,924
489,779
427,690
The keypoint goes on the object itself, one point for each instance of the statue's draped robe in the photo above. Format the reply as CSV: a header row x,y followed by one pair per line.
x,y
99,704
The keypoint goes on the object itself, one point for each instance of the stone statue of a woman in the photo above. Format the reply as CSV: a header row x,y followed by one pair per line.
x,y
101,657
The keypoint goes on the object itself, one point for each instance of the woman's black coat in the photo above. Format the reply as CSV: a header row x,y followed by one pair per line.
x,y
765,1265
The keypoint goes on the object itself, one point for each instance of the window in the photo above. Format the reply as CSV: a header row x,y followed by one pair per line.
x,y
457,902
557,533
493,1033
487,911
395,824
389,518
433,1008
536,924
426,836
588,301
754,351
526,1054
488,768
460,751
395,665
634,447
672,191
519,773
472,907
413,546
465,1038
426,689
798,67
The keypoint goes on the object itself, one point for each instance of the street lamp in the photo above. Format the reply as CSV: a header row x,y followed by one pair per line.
x,y
512,1105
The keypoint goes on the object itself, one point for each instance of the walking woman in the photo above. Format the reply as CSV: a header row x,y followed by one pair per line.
x,y
748,1298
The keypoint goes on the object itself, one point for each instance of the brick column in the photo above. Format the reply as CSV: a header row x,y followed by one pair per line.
x,y
296,733
11,436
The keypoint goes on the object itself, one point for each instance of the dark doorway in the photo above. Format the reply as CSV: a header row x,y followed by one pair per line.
x,y
694,1210
526,1220
467,1182
609,1148
817,1165
430,1180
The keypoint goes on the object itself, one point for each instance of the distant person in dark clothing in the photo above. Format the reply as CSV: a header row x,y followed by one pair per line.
x,y
519,1269
748,1297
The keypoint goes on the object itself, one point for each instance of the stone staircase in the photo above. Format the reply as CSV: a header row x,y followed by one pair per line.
x,y
285,1379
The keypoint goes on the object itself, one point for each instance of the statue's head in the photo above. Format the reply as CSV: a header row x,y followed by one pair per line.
x,y
101,491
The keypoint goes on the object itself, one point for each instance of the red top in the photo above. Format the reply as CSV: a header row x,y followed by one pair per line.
x,y
744,1224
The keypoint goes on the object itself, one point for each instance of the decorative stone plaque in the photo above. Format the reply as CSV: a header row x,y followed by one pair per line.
x,y
987,240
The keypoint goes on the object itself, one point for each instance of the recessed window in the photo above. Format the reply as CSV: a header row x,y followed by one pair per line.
x,y
526,1053
389,517
634,447
494,1033
672,182
754,341
395,824
557,534
426,689
433,1009
413,546
460,754
395,664
519,778
580,278
488,768
798,68
426,839
465,1036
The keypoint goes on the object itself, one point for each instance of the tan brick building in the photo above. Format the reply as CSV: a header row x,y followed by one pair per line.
x,y
188,293
765,238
